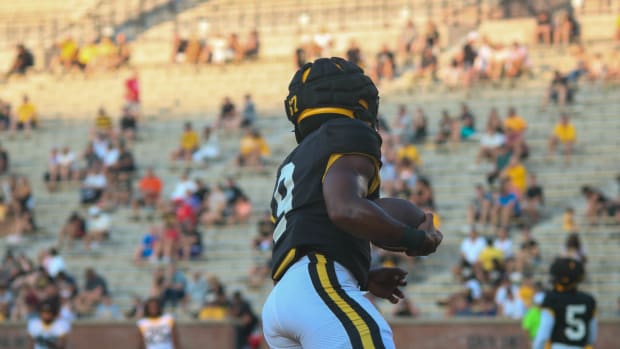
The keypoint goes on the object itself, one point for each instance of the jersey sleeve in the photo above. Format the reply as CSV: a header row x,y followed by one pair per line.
x,y
32,328
548,303
353,137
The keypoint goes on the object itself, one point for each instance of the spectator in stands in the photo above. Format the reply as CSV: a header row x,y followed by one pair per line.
x,y
53,262
132,92
150,246
506,205
74,228
249,112
98,225
422,194
189,142
4,161
174,289
93,185
544,28
128,124
514,129
386,64
234,52
149,194
196,291
354,54
87,55
479,208
214,207
405,308
252,45
596,204
559,91
300,57
428,64
229,118
431,35
516,173
323,42
467,122
264,241
419,127
123,52
5,115
68,51
408,42
512,307
534,199
210,148
446,131
564,133
27,116
104,125
490,141
470,250
23,61
491,260
402,127
562,29
503,242
253,150
107,310
241,311
95,288
517,61
574,249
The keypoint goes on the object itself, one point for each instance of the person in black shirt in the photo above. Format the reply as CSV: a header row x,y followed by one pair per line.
x,y
4,160
559,91
534,198
241,310
428,63
23,61
300,57
325,217
543,28
354,55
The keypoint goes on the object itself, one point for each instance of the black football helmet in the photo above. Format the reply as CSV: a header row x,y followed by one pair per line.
x,y
566,273
331,86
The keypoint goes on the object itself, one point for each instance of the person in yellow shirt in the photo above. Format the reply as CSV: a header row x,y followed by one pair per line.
x,y
490,256
253,149
87,54
514,128
189,143
103,123
26,116
565,133
106,50
409,152
68,52
517,174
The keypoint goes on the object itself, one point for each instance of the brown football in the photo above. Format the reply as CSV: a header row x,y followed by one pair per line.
x,y
403,211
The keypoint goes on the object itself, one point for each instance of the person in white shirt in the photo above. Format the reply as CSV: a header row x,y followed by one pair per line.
x,y
54,264
470,249
47,331
503,242
184,186
490,141
210,148
66,164
98,228
111,156
157,330
93,185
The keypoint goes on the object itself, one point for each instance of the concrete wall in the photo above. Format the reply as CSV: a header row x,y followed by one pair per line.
x,y
414,334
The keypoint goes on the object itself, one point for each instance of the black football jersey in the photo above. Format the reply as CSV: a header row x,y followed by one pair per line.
x,y
298,206
572,312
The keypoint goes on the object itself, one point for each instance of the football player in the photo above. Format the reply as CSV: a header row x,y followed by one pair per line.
x,y
325,218
568,315
157,330
48,331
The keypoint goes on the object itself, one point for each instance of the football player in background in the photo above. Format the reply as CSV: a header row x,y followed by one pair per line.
x,y
325,218
48,331
157,330
568,315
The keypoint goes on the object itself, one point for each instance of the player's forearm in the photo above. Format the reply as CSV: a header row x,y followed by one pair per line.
x,y
364,219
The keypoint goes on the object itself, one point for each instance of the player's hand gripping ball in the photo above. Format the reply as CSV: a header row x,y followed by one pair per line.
x,y
403,211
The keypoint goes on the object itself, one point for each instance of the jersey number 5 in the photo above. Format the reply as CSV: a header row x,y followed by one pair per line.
x,y
283,196
576,326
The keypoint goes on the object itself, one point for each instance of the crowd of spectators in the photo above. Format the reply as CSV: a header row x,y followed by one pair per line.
x,y
104,53
215,49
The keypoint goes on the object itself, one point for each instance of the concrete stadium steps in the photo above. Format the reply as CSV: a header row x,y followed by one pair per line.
x,y
228,251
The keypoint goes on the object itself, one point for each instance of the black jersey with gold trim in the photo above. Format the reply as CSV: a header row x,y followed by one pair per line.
x,y
298,206
572,313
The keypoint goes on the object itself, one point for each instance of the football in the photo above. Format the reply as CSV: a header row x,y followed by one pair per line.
x,y
404,211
